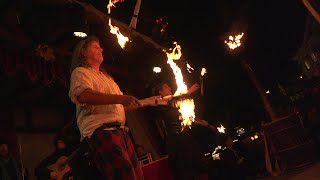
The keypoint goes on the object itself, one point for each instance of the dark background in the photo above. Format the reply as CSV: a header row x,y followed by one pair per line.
x,y
273,32
273,29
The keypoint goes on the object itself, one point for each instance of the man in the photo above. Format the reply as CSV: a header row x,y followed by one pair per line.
x,y
100,114
181,146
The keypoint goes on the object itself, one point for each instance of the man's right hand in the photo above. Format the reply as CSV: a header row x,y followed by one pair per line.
x,y
53,175
130,101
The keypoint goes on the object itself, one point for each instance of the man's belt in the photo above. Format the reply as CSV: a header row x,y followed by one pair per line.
x,y
114,125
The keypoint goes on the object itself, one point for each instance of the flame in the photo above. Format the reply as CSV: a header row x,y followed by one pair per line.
x,y
189,68
186,106
112,3
221,129
234,42
215,154
203,71
255,136
176,52
175,55
122,40
187,111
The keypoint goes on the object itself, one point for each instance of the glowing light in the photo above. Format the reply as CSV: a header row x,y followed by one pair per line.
x,y
234,41
112,3
240,131
216,149
254,137
203,71
221,129
156,69
122,40
189,68
80,34
215,154
175,55
268,92
186,109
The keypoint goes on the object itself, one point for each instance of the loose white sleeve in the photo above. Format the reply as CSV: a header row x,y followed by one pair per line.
x,y
80,80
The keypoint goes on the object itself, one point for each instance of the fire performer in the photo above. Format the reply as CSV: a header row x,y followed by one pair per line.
x,y
101,113
181,146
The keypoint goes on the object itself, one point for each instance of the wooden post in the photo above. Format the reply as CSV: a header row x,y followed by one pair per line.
x,y
268,108
260,89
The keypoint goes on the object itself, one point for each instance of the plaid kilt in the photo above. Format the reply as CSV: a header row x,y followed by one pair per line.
x,y
115,156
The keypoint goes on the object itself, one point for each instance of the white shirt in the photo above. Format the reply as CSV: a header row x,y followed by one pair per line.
x,y
90,117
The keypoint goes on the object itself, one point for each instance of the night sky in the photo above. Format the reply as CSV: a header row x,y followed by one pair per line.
x,y
274,31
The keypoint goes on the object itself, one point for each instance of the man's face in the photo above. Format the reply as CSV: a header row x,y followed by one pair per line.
x,y
4,149
165,90
93,53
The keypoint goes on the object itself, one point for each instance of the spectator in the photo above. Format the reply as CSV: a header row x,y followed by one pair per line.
x,y
10,168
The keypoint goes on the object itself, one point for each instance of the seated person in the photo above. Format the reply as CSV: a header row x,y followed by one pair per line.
x,y
140,151
46,169
142,155
10,168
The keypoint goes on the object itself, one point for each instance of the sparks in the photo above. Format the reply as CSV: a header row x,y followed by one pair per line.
x,y
221,129
189,68
215,154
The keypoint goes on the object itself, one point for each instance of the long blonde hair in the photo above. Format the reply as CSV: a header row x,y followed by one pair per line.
x,y
78,59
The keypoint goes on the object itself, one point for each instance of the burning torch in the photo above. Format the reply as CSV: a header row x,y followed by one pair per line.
x,y
203,72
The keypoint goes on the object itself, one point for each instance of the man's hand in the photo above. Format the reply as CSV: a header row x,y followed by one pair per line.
x,y
53,175
150,101
130,101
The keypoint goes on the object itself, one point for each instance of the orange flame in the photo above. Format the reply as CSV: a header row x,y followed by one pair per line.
x,y
221,129
203,71
112,3
234,42
175,55
189,68
186,107
122,40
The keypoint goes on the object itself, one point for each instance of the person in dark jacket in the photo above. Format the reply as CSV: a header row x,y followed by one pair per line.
x,y
182,148
10,168
45,170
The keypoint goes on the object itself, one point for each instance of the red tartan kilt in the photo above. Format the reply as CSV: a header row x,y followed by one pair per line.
x,y
115,156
